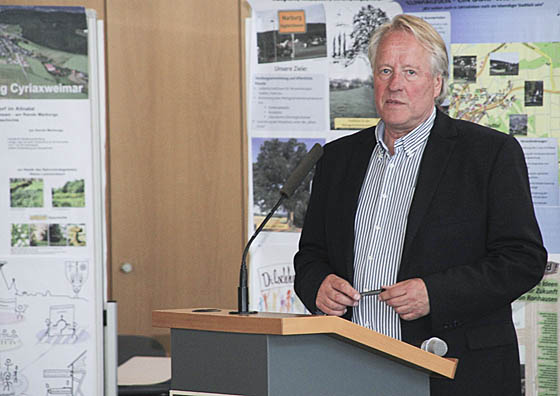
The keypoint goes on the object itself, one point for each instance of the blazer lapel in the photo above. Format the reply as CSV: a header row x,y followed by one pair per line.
x,y
434,162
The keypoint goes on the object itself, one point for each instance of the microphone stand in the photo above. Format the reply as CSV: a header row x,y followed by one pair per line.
x,y
243,289
286,191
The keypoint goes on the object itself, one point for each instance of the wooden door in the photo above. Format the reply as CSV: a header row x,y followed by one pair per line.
x,y
175,156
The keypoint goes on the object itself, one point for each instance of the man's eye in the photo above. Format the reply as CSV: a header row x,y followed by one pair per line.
x,y
411,72
385,71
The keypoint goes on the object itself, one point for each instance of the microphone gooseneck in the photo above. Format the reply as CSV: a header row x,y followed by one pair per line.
x,y
301,171
286,191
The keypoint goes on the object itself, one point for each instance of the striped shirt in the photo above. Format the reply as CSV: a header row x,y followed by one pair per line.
x,y
380,223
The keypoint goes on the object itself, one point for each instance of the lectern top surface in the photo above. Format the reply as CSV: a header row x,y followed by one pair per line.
x,y
221,320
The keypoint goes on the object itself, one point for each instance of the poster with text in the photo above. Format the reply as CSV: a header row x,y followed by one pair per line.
x,y
309,79
50,303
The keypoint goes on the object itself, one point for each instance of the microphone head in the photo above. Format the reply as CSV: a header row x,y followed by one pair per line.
x,y
435,345
301,171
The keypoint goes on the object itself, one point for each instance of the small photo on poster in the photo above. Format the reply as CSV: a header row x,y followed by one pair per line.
x,y
20,236
69,194
290,35
57,235
26,193
518,124
464,69
534,93
350,77
504,63
76,234
273,161
39,234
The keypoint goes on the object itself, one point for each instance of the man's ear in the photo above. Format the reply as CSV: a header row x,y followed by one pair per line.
x,y
437,85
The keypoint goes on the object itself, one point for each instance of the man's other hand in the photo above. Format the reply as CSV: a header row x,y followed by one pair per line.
x,y
335,295
408,298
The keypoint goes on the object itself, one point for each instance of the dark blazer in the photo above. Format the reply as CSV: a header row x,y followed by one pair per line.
x,y
471,236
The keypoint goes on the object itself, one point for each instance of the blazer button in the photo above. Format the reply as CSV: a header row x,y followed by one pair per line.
x,y
446,325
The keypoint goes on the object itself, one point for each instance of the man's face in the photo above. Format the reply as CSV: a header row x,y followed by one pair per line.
x,y
405,89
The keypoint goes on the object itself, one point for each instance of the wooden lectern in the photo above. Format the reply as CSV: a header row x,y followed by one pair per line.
x,y
269,354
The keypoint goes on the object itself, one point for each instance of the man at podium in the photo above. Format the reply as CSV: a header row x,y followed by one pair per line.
x,y
434,212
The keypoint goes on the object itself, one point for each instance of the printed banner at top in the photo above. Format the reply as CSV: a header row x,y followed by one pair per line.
x,y
291,22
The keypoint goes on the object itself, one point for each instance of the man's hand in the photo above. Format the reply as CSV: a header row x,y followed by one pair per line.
x,y
335,294
408,298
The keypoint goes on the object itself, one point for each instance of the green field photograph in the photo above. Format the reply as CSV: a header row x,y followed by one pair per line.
x,y
26,193
70,195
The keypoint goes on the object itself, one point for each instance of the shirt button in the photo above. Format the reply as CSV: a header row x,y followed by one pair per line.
x,y
384,196
377,228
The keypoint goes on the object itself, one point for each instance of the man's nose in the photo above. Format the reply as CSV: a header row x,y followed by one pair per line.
x,y
396,81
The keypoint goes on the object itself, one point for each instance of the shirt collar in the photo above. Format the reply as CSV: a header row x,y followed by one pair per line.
x,y
412,140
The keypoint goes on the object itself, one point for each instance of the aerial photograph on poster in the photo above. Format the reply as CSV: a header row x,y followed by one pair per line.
x,y
43,53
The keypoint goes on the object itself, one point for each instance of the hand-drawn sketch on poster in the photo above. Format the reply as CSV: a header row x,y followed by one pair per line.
x,y
272,281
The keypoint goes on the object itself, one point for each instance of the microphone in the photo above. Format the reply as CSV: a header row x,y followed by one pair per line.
x,y
295,179
301,170
435,345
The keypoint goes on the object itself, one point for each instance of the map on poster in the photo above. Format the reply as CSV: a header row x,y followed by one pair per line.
x,y
511,87
514,88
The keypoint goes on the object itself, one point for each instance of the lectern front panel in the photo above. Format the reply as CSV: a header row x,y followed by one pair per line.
x,y
217,362
295,365
321,364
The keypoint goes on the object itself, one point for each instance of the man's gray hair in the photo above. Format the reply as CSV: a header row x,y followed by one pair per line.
x,y
428,37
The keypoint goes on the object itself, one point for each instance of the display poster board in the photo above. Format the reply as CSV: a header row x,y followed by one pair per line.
x,y
51,250
314,84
